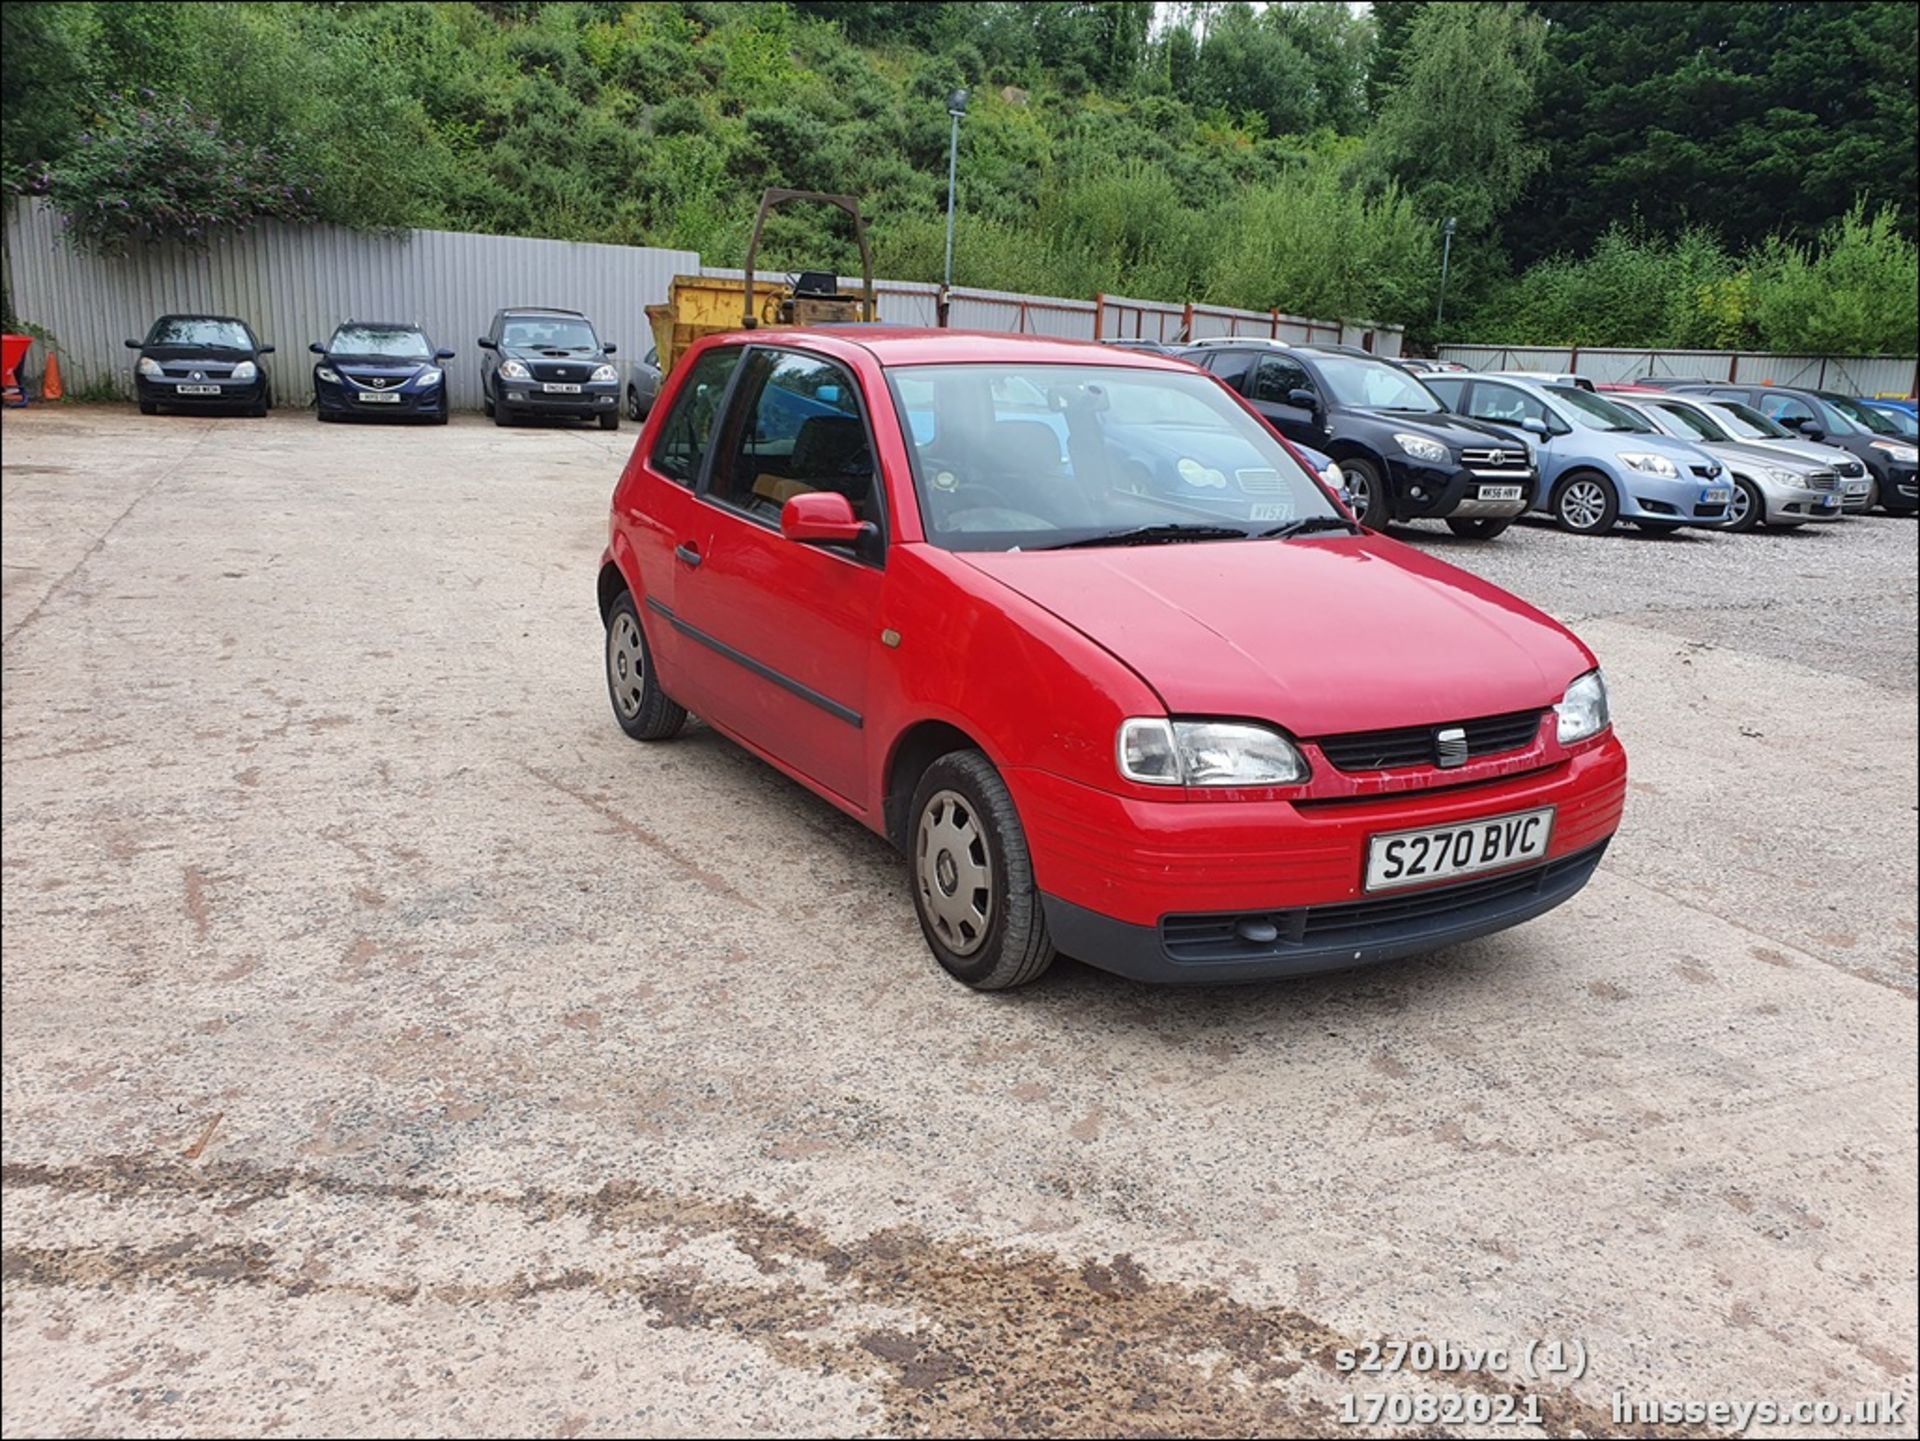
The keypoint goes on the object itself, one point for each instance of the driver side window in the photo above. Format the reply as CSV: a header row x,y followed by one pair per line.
x,y
1786,409
799,428
1504,405
1277,378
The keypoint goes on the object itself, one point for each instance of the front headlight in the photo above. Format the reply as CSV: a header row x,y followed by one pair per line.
x,y
1896,451
1787,477
1653,465
1421,447
514,370
150,368
1334,476
1583,709
245,370
326,373
1160,752
427,377
603,375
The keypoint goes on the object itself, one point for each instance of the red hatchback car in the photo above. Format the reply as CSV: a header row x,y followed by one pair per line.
x,y
1104,659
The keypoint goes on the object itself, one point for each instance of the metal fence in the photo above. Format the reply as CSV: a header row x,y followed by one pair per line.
x,y
293,284
1871,375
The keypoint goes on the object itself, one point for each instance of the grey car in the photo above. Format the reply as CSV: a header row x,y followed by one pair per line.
x,y
1747,425
643,384
1769,487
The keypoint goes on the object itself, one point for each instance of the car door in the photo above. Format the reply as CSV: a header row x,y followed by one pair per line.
x,y
1271,382
788,628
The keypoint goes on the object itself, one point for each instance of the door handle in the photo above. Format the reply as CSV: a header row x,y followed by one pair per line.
x,y
688,552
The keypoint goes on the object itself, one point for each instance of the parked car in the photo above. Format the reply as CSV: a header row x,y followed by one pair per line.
x,y
549,363
1403,456
1598,463
1900,412
1419,365
1547,377
1769,488
1152,347
1750,427
201,362
1892,461
1096,720
643,384
383,368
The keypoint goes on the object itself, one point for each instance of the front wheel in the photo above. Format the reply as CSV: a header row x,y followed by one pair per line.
x,y
1585,504
147,407
1748,508
972,876
642,708
501,415
1478,527
610,421
1366,492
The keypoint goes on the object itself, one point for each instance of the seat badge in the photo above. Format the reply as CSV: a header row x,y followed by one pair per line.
x,y
1450,747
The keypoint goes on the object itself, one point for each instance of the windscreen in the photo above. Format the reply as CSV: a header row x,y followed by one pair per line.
x,y
1863,416
1684,420
1594,413
547,333
201,331
385,341
1029,457
1746,423
1375,385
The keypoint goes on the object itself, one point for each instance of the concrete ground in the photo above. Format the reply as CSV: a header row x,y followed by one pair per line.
x,y
393,1048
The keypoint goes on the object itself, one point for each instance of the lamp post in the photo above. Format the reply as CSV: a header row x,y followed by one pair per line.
x,y
1446,255
956,107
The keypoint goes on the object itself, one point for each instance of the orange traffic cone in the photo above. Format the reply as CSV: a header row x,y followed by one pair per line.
x,y
50,383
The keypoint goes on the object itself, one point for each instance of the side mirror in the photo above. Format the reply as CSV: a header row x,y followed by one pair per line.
x,y
133,345
264,350
1305,399
486,344
1534,425
821,517
443,354
317,348
1814,432
609,347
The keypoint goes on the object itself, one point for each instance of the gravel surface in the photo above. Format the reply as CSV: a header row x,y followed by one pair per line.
x,y
393,1048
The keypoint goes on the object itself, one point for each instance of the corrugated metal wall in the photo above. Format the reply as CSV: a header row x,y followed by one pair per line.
x,y
293,284
1890,375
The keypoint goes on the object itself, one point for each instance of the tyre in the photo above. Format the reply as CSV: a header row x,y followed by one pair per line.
x,y
486,405
1367,486
1749,507
633,404
501,415
972,876
147,407
1873,498
641,707
1479,527
325,417
1585,504
442,418
610,421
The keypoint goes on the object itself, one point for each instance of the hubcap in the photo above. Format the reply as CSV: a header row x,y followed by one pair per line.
x,y
953,870
1359,491
1742,504
626,664
1583,504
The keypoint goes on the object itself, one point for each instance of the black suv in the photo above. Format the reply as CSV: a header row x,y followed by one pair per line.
x,y
536,361
1835,420
1404,457
201,362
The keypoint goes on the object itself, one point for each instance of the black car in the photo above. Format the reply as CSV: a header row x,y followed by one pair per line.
x,y
1832,419
201,362
1402,455
547,362
385,368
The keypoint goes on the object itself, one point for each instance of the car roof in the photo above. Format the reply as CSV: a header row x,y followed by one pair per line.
x,y
197,315
904,345
541,310
384,324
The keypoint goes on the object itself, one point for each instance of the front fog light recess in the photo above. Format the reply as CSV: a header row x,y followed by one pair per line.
x,y
1582,711
1159,752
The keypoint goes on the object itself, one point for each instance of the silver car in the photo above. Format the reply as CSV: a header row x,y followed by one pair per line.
x,y
1770,487
1748,426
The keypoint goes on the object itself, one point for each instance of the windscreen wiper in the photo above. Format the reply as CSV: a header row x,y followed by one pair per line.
x,y
1154,535
1308,525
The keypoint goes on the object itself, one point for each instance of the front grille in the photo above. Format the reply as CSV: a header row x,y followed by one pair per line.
x,y
1356,923
1850,469
376,380
1259,481
1706,472
1822,480
1493,459
1418,746
572,371
184,369
1709,512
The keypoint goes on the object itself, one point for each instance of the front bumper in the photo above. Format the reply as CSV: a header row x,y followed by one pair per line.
x,y
1899,489
526,397
1114,871
1676,502
1792,503
1433,492
234,395
344,400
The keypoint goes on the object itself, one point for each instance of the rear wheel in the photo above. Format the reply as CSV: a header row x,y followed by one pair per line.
x,y
641,707
634,412
1585,504
1367,491
1748,508
1479,527
972,876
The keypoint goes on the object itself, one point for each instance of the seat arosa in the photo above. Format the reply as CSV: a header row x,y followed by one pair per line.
x,y
1098,653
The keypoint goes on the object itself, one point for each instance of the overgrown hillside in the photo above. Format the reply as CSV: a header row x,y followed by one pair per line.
x,y
1299,156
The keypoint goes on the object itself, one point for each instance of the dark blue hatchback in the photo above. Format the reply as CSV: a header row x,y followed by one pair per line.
x,y
380,369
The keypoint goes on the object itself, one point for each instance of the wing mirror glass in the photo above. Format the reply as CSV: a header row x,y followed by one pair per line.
x,y
443,354
317,348
133,345
486,344
821,517
1533,425
1305,399
609,347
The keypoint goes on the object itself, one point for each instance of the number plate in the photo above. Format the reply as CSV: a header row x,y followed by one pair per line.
x,y
377,396
199,389
1499,492
1717,495
1270,511
555,388
1436,853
